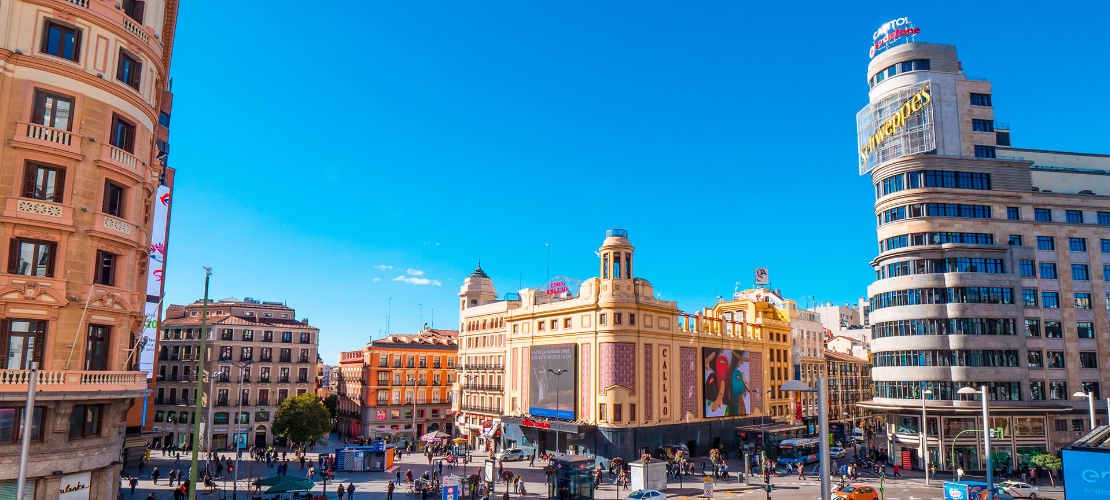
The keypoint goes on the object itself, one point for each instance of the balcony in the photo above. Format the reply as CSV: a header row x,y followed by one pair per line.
x,y
221,402
263,401
423,364
265,359
34,136
396,364
223,377
264,380
476,366
301,380
484,387
383,383
303,360
481,409
283,380
285,359
383,401
120,159
73,381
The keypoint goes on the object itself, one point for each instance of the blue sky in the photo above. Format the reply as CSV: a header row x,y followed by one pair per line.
x,y
314,145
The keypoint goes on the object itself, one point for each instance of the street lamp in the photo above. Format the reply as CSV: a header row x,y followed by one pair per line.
x,y
822,424
415,385
986,429
762,433
238,421
1090,402
558,387
925,435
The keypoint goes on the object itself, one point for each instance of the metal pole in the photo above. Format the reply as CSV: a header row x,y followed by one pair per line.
x,y
823,429
924,438
1091,403
987,438
200,388
238,421
28,421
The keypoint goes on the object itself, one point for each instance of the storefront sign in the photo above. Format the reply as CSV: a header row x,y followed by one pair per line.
x,y
533,423
894,32
75,486
898,124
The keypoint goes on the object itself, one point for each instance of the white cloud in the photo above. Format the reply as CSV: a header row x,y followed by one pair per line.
x,y
414,272
383,267
377,279
417,281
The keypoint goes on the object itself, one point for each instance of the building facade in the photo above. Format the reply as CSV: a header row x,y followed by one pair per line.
x,y
480,403
849,384
82,87
992,267
604,367
405,390
257,354
807,343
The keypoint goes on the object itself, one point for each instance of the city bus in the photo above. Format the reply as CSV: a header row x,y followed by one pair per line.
x,y
799,450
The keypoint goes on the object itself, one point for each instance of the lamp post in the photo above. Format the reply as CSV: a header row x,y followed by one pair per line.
x,y
238,421
1090,403
200,387
822,424
415,385
762,433
558,387
925,435
986,430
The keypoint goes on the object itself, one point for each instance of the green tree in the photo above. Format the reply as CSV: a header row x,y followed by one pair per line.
x,y
330,403
1049,462
302,419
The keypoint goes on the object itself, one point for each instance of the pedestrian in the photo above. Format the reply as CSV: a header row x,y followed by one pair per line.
x,y
134,481
154,474
350,491
389,491
897,473
960,473
1033,476
532,459
801,471
340,492
398,475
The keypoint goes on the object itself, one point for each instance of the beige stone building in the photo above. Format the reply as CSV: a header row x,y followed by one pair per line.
x,y
83,87
257,354
992,267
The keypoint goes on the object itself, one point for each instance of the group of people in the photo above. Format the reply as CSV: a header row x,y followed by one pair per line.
x,y
617,472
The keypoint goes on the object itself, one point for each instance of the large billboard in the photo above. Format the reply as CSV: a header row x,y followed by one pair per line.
x,y
156,267
551,380
1086,475
727,382
898,124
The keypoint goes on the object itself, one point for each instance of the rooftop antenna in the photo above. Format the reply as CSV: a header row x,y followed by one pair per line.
x,y
388,315
548,245
433,317
421,313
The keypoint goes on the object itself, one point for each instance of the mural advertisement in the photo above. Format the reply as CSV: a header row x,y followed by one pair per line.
x,y
727,382
551,381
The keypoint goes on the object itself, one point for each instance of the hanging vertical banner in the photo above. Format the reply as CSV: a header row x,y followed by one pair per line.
x,y
156,267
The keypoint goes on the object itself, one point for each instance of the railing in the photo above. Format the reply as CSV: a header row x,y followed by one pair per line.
x,y
483,387
383,401
265,359
481,367
284,380
80,3
135,28
302,380
39,207
121,157
481,409
285,359
52,135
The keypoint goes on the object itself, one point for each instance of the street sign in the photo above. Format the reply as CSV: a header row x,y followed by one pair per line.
x,y
707,487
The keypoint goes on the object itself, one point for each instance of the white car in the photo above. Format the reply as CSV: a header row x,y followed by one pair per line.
x,y
836,452
646,495
1019,489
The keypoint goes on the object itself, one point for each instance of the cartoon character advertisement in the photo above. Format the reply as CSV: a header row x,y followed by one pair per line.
x,y
727,382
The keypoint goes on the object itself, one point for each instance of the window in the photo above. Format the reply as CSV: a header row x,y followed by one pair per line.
x,y
980,99
248,335
104,273
601,412
283,375
1028,269
96,348
113,199
246,353
1052,330
1050,300
1077,244
1104,245
129,69
52,110
1036,359
617,412
11,419
225,355
1103,218
1029,297
1085,330
61,40
1058,389
267,336
616,321
1073,216
1061,425
286,337
1088,359
306,338
566,323
1042,215
32,257
1092,388
134,9
122,135
601,319
84,421
985,152
1082,301
1036,391
1056,359
1046,243
1013,213
1015,240
978,125
42,182
1048,270
1032,327
632,412
1080,272
1106,272
264,373
541,326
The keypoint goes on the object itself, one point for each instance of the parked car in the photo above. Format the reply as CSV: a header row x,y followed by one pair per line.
x,y
646,495
510,454
836,452
1018,489
857,492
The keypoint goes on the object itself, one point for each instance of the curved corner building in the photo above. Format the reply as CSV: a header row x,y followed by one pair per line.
x,y
992,268
84,100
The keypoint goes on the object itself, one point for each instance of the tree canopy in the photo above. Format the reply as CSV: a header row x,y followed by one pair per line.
x,y
330,403
302,419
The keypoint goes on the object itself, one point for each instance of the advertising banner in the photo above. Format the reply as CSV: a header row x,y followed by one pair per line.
x,y
156,267
1086,475
896,125
551,380
74,486
727,382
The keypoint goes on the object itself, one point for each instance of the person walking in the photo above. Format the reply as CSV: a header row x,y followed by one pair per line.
x,y
532,459
801,471
154,474
388,491
897,472
134,481
340,492
350,491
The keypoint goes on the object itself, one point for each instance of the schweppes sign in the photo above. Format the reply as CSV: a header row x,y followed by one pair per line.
x,y
899,124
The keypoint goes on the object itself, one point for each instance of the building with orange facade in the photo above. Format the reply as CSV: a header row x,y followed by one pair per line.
x,y
84,93
398,387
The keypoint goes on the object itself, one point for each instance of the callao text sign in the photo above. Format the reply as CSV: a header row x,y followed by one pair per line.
x,y
891,33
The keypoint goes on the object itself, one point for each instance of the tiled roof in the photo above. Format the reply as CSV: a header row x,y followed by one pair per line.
x,y
237,321
430,338
839,356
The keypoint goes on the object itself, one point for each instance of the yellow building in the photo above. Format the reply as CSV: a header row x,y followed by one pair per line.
x,y
604,367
